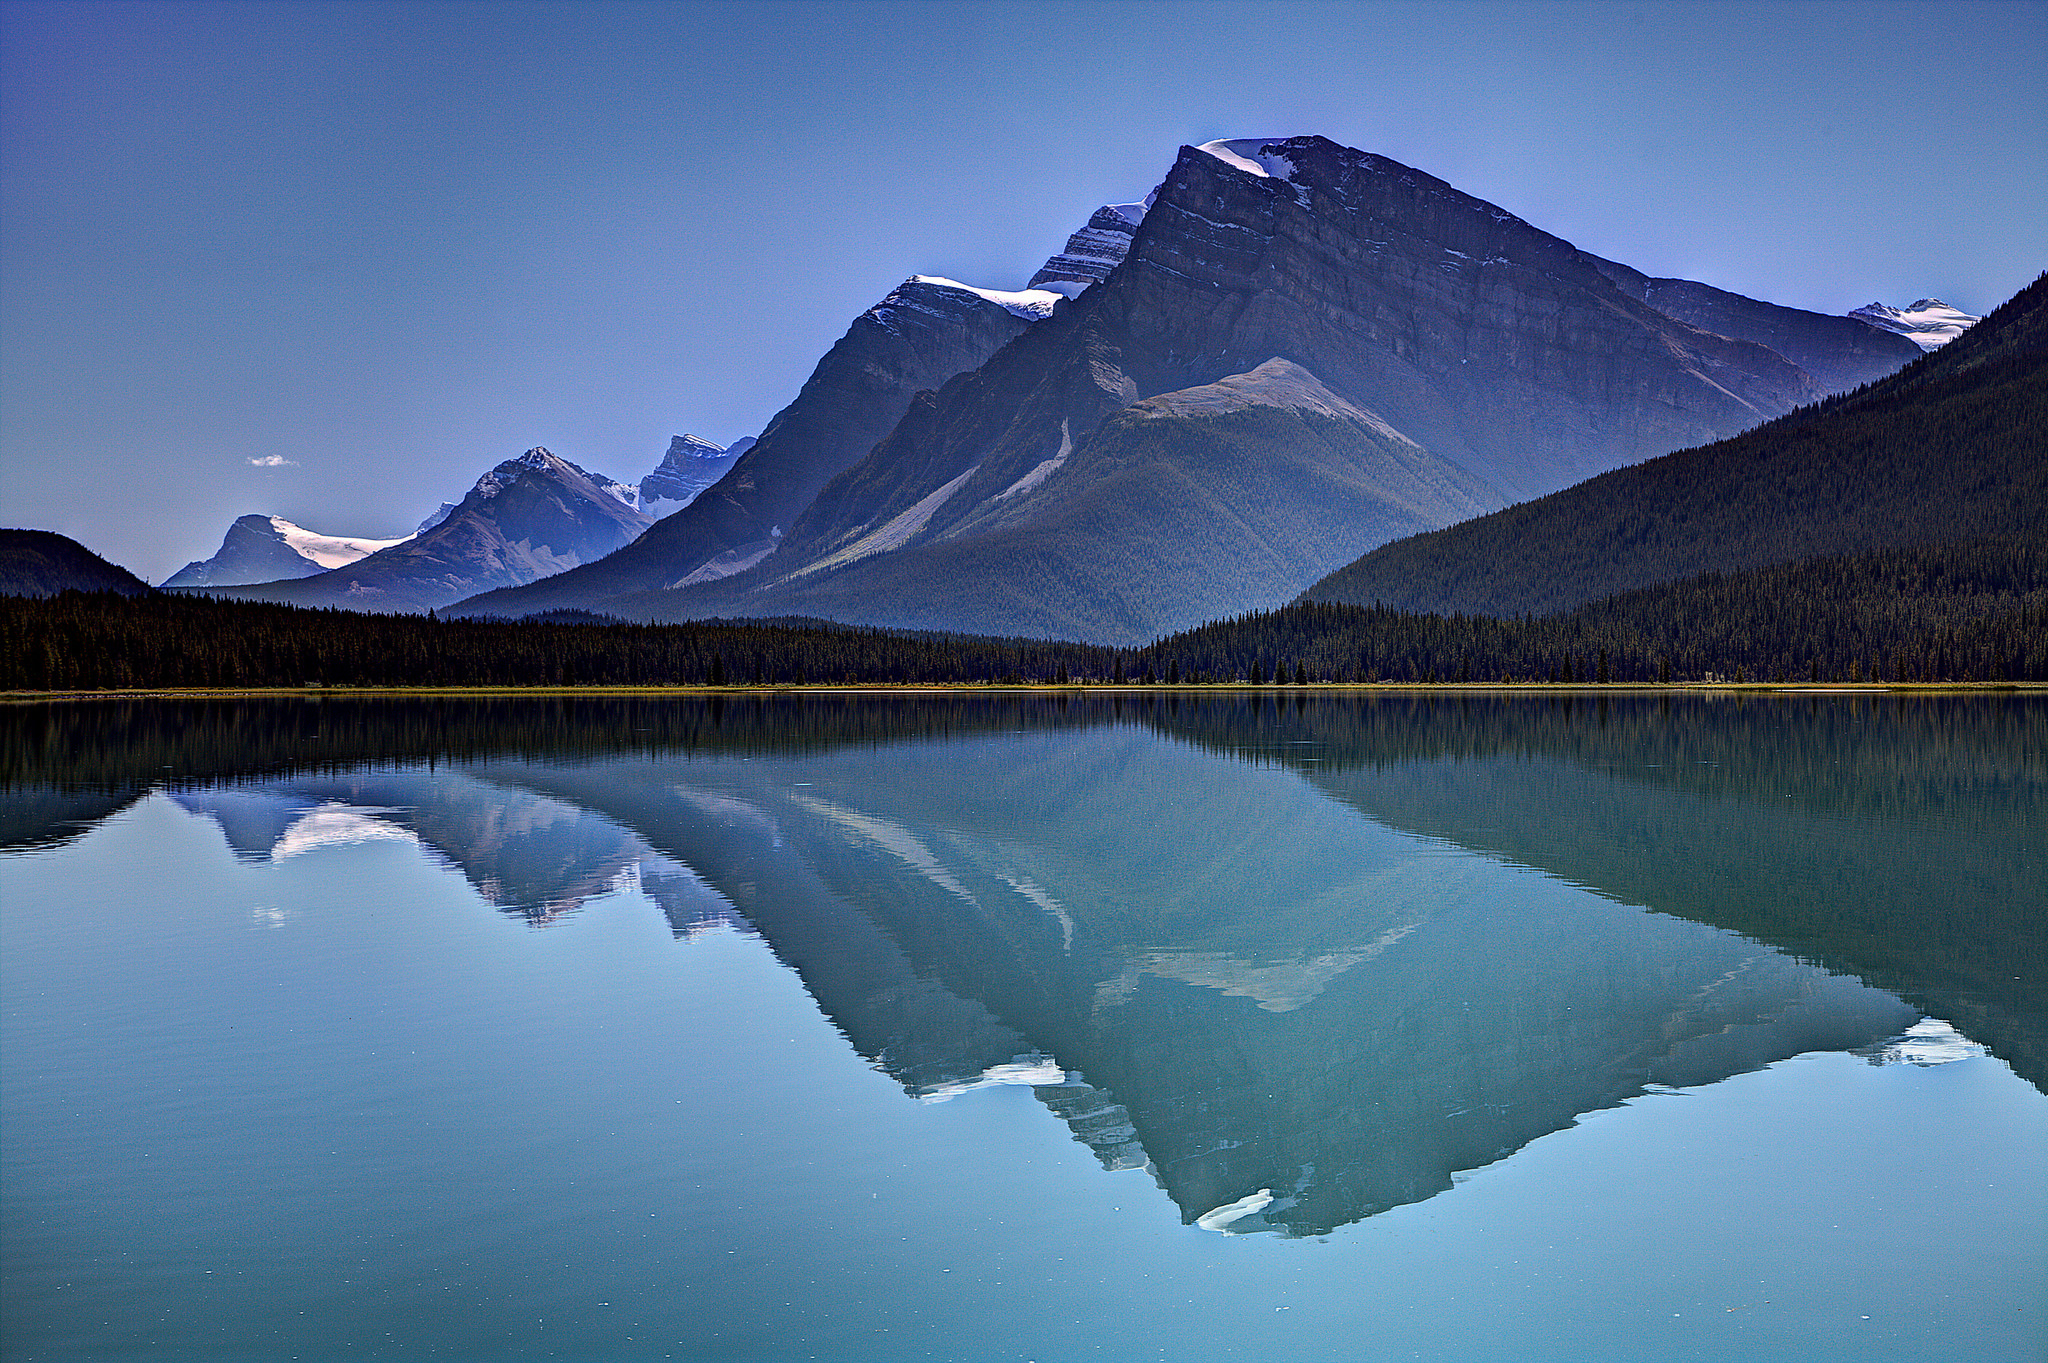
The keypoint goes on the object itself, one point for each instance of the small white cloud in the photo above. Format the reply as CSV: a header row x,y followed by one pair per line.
x,y
275,461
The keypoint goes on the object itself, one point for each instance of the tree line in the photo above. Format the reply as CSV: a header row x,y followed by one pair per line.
x,y
1973,612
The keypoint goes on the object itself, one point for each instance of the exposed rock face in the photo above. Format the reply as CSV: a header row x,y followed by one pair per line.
x,y
1840,352
1494,362
1953,448
922,334
261,548
691,465
1093,251
527,518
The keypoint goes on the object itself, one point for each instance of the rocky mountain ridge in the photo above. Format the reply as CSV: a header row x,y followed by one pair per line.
x,y
528,517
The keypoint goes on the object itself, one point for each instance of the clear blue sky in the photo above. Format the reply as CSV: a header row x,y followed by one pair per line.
x,y
393,244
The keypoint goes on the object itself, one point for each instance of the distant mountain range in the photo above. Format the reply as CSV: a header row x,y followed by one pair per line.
x,y
555,516
527,518
1231,393
1291,352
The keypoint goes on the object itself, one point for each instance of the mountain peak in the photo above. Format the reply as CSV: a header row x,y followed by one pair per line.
x,y
1258,156
1927,322
693,447
691,465
262,548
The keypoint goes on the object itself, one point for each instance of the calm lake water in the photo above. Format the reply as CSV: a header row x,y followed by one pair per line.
x,y
1246,1027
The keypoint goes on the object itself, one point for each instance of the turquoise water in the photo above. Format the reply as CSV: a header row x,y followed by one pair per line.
x,y
973,1030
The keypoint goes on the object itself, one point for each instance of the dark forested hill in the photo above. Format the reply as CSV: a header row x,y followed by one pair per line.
x,y
1953,448
42,563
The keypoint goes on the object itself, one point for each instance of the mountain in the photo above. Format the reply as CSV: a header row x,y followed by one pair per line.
x,y
691,465
525,519
1292,352
923,333
1951,449
1928,323
1093,251
269,548
43,563
1840,352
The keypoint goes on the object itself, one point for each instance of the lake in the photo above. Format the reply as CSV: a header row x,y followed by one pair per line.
x,y
1175,1026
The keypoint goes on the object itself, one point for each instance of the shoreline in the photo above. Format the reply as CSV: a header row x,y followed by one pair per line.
x,y
1320,689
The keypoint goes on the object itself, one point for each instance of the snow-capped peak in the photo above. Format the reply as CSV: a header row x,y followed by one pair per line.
x,y
1927,322
1251,155
329,551
1032,304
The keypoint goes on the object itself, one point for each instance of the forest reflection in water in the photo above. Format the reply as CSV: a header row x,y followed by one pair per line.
x,y
1299,960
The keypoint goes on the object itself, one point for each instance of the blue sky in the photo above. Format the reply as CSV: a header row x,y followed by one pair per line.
x,y
393,244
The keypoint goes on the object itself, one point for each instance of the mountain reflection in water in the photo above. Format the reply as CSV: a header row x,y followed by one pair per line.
x,y
1241,942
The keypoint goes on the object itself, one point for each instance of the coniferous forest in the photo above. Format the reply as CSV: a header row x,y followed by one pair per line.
x,y
1975,612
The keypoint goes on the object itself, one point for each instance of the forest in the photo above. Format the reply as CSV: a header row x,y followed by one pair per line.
x,y
1974,612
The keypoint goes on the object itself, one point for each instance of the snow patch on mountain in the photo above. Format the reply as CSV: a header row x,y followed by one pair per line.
x,y
1031,304
1252,155
329,551
1929,323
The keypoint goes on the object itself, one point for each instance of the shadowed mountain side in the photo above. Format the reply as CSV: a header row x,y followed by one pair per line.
x,y
922,334
1124,545
1954,447
43,563
1840,352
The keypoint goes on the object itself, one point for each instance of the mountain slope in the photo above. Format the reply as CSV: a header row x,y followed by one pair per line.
x,y
1505,356
270,548
1840,352
43,563
919,336
1955,447
527,518
1121,546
